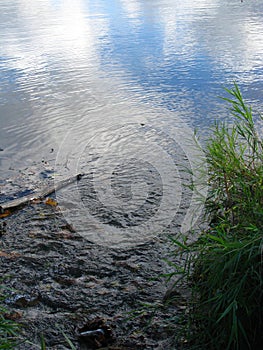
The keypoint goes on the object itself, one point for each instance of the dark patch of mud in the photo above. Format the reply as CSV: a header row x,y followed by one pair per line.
x,y
57,282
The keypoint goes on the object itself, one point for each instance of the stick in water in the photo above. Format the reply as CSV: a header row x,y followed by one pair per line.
x,y
15,203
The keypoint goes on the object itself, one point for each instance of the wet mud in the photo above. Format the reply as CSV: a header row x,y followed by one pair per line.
x,y
61,287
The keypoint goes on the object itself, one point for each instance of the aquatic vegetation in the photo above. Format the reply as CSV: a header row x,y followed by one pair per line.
x,y
223,266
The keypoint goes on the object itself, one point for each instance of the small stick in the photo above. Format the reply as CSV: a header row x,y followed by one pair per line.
x,y
16,203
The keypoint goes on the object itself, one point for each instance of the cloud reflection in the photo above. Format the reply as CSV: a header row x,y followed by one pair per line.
x,y
61,59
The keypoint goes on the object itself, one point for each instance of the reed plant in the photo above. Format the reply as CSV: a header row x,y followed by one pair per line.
x,y
223,266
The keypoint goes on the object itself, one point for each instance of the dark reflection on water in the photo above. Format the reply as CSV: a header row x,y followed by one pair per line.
x,y
98,65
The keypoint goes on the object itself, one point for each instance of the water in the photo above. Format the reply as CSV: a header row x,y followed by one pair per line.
x,y
87,85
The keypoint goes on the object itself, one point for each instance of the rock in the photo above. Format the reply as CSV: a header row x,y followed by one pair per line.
x,y
22,300
96,334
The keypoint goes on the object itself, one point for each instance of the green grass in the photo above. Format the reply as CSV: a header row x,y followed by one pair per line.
x,y
8,329
224,265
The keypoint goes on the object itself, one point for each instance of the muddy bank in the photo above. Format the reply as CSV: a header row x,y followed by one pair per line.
x,y
57,282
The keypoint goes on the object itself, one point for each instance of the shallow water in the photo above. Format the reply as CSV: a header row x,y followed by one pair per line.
x,y
87,86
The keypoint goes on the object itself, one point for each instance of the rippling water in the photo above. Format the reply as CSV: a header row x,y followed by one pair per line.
x,y
90,83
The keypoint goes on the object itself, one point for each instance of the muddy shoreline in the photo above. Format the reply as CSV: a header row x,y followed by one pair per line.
x,y
57,282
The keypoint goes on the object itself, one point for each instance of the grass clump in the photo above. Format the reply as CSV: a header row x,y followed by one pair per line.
x,y
8,329
224,265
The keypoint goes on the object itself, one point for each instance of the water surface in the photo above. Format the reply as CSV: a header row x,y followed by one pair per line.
x,y
89,83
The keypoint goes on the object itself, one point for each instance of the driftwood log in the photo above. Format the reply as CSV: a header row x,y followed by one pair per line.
x,y
46,191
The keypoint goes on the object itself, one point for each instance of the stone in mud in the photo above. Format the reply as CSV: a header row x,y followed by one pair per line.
x,y
22,300
96,334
